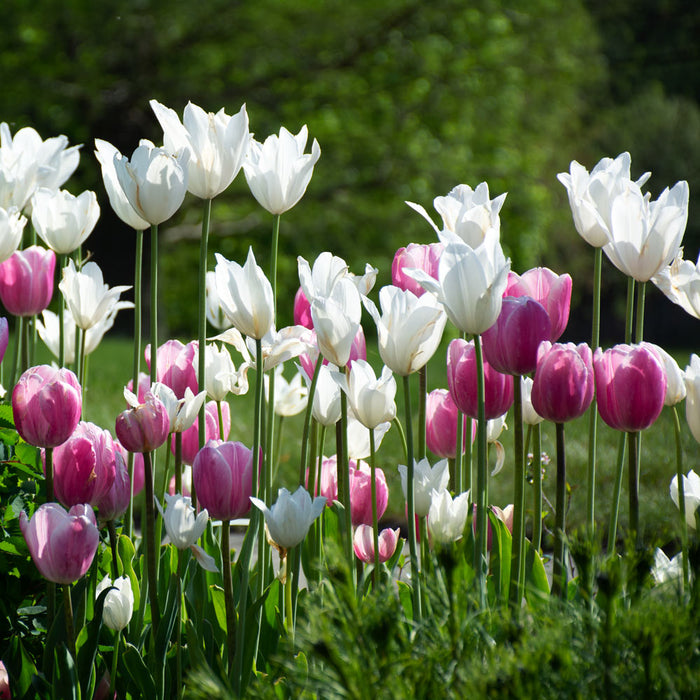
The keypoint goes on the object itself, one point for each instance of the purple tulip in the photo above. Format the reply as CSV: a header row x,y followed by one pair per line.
x,y
461,380
4,337
84,466
630,386
510,345
62,544
223,479
302,310
361,494
363,543
190,437
144,427
26,281
46,405
175,366
115,502
549,289
562,387
441,424
421,257
138,469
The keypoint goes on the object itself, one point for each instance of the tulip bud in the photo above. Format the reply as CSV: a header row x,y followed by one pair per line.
x,y
119,602
115,502
145,426
441,424
361,494
190,437
363,543
447,517
415,256
175,366
26,281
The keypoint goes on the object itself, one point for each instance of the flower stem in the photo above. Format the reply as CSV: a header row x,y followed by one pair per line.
x,y
457,480
202,306
617,489
633,474
115,659
537,472
639,320
373,496
61,261
149,534
228,591
411,503
154,301
111,528
49,474
178,464
343,466
559,569
422,400
70,631
178,633
517,558
482,475
681,495
288,607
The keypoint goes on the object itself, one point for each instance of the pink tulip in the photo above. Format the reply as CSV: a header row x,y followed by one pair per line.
x,y
145,427
328,481
190,437
414,255
144,386
510,345
505,516
115,502
461,380
562,388
361,494
84,466
358,351
549,289
302,310
441,424
175,366
5,693
46,405
630,386
137,467
62,544
4,338
26,281
363,543
223,479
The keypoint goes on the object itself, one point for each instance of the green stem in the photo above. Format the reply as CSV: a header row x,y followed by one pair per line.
x,y
178,632
307,422
228,591
517,558
288,607
373,496
60,262
202,309
16,351
411,504
149,534
617,489
639,323
633,474
154,301
273,257
457,480
70,631
178,463
681,495
467,461
559,568
111,528
48,456
422,400
26,345
537,472
257,417
220,415
482,475
115,659
629,312
402,437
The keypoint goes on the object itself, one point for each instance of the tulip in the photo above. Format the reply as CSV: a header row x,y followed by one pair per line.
x,y
426,479
223,478
176,366
466,212
145,426
26,281
549,289
409,329
680,282
5,693
278,171
212,431
359,437
89,299
462,382
290,396
154,181
246,295
691,493
84,466
675,377
184,529
308,359
441,424
630,386
447,517
119,602
363,544
217,144
4,337
692,402
371,399
302,310
62,220
46,405
530,416
62,544
510,345
470,282
361,494
114,503
665,569
326,403
105,153
185,482
645,236
563,384
12,225
505,516
220,375
591,196
422,257
290,517
181,412
215,314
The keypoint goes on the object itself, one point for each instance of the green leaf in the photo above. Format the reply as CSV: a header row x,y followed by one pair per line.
x,y
405,598
536,582
88,640
65,677
218,601
131,663
20,667
126,553
7,419
500,559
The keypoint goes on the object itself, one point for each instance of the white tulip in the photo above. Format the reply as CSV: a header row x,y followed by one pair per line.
x,y
371,398
119,602
426,480
12,225
447,516
691,494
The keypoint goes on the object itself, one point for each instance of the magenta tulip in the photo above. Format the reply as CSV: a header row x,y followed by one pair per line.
x,y
26,281
4,337
415,256
175,366
363,543
62,544
549,289
115,502
144,427
328,480
137,468
630,386
461,380
562,387
361,494
223,479
441,424
302,310
84,466
510,345
190,437
144,385
46,405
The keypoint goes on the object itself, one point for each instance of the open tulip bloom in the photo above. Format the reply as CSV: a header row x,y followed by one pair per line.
x,y
371,398
12,225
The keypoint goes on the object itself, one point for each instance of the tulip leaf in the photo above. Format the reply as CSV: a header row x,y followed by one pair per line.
x,y
168,619
65,677
131,662
536,582
405,598
500,559
88,640
20,666
218,601
126,552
